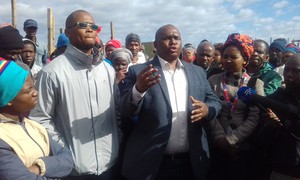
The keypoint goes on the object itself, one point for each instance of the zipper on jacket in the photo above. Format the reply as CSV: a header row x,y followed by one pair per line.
x,y
92,119
22,124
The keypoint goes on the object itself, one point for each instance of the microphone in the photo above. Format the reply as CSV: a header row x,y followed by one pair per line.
x,y
249,97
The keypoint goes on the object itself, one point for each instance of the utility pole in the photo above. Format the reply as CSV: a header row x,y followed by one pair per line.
x,y
14,13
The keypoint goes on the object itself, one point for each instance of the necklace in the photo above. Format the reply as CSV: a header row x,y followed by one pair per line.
x,y
231,105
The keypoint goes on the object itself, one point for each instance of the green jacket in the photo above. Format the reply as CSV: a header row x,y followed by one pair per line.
x,y
272,80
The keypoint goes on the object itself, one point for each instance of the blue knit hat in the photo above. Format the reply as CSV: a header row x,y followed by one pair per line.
x,y
279,44
63,40
12,79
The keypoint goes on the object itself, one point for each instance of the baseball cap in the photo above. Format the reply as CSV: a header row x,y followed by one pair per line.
x,y
30,23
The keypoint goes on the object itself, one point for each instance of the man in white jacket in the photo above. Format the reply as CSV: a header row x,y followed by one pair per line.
x,y
77,97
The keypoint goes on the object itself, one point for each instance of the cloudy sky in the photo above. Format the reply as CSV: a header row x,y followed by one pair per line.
x,y
196,19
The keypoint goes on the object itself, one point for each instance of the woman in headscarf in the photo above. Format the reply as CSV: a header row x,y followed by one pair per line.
x,y
236,122
121,58
26,150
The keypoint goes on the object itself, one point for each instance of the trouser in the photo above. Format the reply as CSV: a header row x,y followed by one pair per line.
x,y
176,167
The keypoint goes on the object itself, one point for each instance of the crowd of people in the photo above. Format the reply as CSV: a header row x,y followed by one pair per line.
x,y
94,110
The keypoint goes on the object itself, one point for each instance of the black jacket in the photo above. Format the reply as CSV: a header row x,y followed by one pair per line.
x,y
285,146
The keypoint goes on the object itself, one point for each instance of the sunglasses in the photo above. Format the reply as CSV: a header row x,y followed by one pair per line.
x,y
84,25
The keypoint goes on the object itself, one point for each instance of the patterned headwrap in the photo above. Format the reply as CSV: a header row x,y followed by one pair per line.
x,y
294,50
243,42
12,78
291,45
123,53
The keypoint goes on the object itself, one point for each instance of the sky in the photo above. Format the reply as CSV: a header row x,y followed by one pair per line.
x,y
196,20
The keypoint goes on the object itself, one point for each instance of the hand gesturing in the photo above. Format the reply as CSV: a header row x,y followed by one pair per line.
x,y
200,111
147,78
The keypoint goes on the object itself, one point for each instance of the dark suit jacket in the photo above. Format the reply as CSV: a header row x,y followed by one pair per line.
x,y
146,145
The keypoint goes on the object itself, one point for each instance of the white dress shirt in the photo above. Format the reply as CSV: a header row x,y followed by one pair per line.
x,y
178,95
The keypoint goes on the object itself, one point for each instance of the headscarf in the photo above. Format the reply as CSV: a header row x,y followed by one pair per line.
x,y
294,50
243,42
12,79
291,45
123,53
10,38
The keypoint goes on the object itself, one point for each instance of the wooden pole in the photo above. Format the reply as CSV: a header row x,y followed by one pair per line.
x,y
53,31
50,31
14,13
111,30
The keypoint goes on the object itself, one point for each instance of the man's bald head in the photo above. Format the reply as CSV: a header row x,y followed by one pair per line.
x,y
71,19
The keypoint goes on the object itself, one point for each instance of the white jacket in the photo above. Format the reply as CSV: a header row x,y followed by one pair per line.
x,y
77,105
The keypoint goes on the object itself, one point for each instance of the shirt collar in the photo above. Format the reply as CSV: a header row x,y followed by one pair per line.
x,y
165,64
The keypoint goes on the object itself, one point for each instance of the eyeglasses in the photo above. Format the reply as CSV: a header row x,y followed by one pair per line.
x,y
84,25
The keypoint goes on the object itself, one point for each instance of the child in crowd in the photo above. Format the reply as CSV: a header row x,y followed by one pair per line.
x,y
28,57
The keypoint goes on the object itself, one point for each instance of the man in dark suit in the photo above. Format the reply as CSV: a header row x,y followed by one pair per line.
x,y
171,101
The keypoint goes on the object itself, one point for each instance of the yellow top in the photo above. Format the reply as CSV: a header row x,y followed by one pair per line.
x,y
29,141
